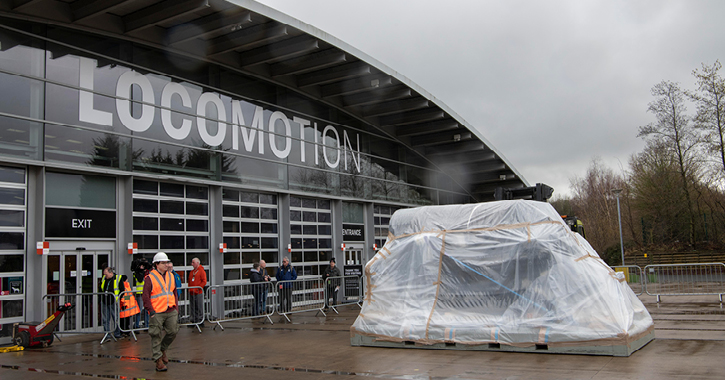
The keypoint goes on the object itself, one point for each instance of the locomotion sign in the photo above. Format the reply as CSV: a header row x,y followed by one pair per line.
x,y
279,142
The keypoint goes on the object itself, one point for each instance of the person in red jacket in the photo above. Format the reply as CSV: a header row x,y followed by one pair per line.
x,y
197,277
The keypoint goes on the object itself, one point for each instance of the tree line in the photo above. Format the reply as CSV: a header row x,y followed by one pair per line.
x,y
672,192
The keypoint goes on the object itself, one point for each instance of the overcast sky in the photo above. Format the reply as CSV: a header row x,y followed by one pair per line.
x,y
551,84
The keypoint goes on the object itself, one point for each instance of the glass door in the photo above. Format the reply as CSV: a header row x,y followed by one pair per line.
x,y
353,255
73,276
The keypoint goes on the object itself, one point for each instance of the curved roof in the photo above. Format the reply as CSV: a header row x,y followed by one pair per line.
x,y
260,41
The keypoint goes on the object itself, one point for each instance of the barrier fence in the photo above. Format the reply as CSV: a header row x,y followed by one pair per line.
x,y
139,320
93,313
633,276
301,295
99,312
343,290
685,279
240,301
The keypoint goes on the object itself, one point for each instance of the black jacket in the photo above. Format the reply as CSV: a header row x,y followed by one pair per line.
x,y
330,272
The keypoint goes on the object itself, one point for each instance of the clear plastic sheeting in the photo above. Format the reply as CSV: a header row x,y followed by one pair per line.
x,y
507,272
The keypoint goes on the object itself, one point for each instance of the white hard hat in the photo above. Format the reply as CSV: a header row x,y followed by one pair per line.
x,y
161,256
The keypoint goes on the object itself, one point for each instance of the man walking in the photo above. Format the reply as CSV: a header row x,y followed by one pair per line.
x,y
197,280
161,300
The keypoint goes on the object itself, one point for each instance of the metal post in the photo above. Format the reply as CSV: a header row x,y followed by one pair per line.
x,y
619,216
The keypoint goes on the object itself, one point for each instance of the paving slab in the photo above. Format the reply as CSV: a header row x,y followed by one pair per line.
x,y
314,346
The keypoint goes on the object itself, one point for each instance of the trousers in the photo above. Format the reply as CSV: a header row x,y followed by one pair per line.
x,y
168,323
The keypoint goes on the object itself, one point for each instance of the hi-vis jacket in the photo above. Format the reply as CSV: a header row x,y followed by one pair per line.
x,y
159,292
129,306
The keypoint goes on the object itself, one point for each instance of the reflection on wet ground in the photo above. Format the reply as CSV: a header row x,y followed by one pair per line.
x,y
690,339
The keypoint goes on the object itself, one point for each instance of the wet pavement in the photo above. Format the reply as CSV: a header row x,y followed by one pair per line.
x,y
689,344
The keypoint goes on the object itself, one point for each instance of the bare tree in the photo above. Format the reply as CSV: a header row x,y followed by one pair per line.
x,y
594,203
710,101
673,128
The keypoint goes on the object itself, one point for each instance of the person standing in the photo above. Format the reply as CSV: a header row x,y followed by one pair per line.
x,y
197,279
257,280
285,273
265,288
110,283
161,300
128,306
331,278
140,268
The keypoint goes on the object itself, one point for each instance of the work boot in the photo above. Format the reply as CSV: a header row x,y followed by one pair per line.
x,y
160,367
164,358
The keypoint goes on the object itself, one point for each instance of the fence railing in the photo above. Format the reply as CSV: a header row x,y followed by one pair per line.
x,y
633,276
186,307
343,290
94,313
240,301
685,279
301,295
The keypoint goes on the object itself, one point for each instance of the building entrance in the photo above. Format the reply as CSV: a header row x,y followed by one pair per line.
x,y
72,276
353,254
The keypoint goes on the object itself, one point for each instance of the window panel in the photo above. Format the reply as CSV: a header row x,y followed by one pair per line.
x,y
12,196
168,224
172,207
231,211
11,263
269,228
231,227
193,208
197,225
231,258
12,218
250,227
197,242
172,242
146,205
12,240
145,187
141,223
250,212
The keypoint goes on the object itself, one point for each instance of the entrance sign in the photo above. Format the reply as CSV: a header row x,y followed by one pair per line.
x,y
353,232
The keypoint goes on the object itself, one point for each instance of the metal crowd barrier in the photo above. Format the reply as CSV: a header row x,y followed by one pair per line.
x,y
186,307
139,322
685,279
633,275
87,316
343,290
301,295
240,301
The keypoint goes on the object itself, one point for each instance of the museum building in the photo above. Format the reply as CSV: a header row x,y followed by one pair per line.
x,y
223,130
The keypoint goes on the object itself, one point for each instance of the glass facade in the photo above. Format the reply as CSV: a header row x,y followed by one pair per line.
x,y
83,115
311,235
173,218
251,228
135,109
13,210
382,214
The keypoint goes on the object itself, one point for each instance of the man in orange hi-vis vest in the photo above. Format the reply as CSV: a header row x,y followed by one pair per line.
x,y
161,301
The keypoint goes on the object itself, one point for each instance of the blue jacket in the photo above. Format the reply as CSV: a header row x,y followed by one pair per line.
x,y
178,282
286,274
